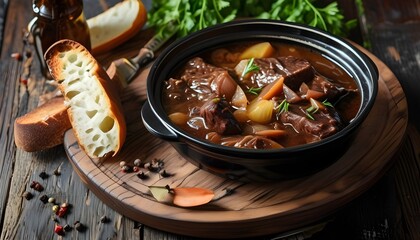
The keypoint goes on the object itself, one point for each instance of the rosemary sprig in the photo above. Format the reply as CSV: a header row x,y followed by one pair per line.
x,y
254,91
311,110
283,107
327,104
250,67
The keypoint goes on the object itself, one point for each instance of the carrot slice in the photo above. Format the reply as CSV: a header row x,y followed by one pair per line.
x,y
190,197
271,133
314,94
275,89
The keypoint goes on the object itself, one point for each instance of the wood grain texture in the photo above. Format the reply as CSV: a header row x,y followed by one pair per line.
x,y
389,29
19,218
11,96
255,208
407,181
2,14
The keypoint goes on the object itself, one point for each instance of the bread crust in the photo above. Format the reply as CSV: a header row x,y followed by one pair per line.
x,y
42,128
95,79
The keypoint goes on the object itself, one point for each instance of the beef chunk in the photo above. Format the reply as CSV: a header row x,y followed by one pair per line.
x,y
206,79
294,70
176,89
268,73
331,91
177,93
197,72
219,117
325,123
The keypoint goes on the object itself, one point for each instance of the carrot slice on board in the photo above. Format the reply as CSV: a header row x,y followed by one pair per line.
x,y
190,197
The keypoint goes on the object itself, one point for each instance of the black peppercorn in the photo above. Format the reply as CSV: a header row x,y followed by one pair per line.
x,y
79,226
158,162
28,53
153,168
164,174
141,175
44,199
43,175
67,228
156,165
126,169
27,195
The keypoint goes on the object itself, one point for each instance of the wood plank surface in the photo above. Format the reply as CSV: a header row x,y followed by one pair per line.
x,y
389,210
391,30
22,219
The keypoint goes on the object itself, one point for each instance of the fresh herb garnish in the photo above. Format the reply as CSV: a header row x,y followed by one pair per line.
x,y
283,107
254,91
250,67
309,115
314,108
193,15
327,104
309,111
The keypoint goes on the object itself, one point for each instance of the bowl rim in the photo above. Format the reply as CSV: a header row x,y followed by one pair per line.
x,y
183,136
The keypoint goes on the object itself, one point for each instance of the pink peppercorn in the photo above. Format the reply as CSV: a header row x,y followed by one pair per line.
x,y
37,186
58,229
61,211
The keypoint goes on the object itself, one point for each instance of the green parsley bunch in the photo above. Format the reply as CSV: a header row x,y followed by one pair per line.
x,y
193,15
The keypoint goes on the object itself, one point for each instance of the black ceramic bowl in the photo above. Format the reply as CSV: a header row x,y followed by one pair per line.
x,y
250,163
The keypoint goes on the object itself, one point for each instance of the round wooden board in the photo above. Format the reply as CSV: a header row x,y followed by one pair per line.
x,y
254,209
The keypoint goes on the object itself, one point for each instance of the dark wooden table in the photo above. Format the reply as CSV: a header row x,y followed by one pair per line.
x,y
389,210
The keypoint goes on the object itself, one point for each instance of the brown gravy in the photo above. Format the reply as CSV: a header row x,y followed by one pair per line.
x,y
200,97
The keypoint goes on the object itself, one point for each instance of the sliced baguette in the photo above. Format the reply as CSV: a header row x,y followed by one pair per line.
x,y
116,25
95,110
42,128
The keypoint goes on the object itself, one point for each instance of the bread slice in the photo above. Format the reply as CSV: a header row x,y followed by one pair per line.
x,y
42,128
95,110
116,25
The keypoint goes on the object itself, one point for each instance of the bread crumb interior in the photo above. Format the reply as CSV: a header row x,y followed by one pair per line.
x,y
92,118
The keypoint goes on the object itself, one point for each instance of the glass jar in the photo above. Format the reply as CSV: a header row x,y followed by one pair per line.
x,y
56,20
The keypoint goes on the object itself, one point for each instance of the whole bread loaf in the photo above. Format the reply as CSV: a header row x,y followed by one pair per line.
x,y
94,107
